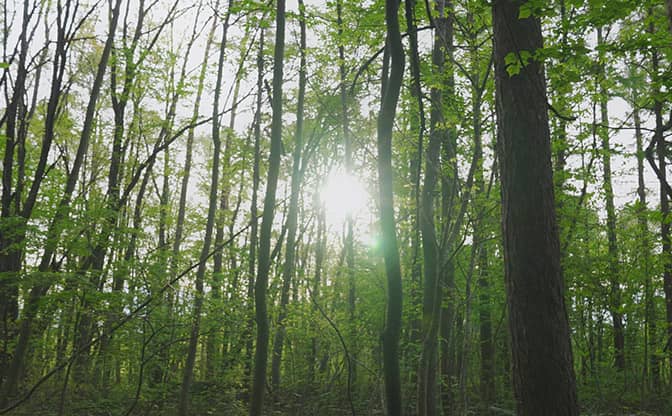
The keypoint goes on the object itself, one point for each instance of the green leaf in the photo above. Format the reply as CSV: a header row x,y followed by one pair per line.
x,y
512,64
525,10
515,61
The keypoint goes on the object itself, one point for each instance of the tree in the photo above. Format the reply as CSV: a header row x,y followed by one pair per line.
x,y
297,178
543,373
38,291
207,240
261,282
390,94
432,293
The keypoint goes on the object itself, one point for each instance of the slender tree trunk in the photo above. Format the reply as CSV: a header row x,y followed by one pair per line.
x,y
487,349
390,96
614,291
292,214
666,249
543,373
443,58
11,231
261,284
188,374
417,126
38,291
348,161
432,293
253,209
320,248
215,333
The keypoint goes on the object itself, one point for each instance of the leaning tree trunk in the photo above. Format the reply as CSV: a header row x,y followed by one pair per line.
x,y
37,292
543,373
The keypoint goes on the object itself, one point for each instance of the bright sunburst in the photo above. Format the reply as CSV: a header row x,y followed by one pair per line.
x,y
343,194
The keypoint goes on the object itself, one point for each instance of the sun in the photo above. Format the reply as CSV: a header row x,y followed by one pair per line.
x,y
343,194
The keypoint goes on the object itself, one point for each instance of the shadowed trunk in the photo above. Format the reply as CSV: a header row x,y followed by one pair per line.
x,y
390,95
261,283
543,374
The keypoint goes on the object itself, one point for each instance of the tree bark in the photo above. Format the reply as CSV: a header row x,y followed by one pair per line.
x,y
666,243
390,95
292,214
261,283
543,374
54,231
432,293
254,222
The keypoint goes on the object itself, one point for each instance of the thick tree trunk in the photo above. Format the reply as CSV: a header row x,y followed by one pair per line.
x,y
543,374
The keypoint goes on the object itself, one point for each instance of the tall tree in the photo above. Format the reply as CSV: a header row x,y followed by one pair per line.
x,y
390,95
188,373
293,210
431,304
608,189
543,373
443,58
264,258
254,220
39,290
17,114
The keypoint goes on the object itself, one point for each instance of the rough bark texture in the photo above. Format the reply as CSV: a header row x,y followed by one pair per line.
x,y
543,375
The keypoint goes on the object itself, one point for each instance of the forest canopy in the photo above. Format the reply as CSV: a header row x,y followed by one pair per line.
x,y
338,207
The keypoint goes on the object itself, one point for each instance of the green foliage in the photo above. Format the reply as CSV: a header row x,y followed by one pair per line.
x,y
140,298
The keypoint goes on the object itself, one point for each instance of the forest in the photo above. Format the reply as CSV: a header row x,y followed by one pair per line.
x,y
340,207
